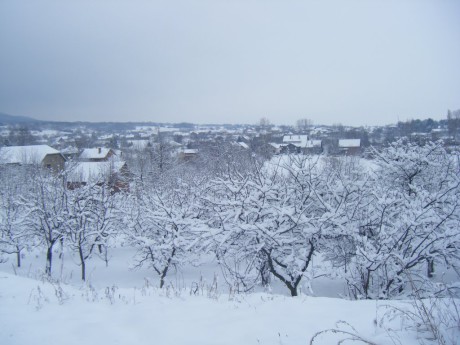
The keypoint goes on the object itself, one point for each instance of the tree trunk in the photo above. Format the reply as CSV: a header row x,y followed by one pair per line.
x,y
292,282
18,256
49,259
430,268
163,275
292,290
265,274
83,263
165,270
83,271
61,241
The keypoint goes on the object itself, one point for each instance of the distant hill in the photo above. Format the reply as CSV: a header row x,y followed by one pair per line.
x,y
11,119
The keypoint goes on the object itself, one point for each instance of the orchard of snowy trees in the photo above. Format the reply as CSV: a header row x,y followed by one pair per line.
x,y
382,224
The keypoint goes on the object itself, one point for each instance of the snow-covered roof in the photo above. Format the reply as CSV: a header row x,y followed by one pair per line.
x,y
31,154
190,151
69,150
296,140
243,145
350,143
95,153
93,171
174,143
106,136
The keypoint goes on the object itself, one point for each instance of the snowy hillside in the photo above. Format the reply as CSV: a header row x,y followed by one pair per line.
x,y
38,312
119,305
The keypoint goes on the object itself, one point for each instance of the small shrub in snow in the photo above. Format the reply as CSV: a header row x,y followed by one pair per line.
x,y
343,332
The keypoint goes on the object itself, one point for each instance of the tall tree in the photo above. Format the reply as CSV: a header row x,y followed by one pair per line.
x,y
15,235
264,122
304,124
91,220
453,123
48,203
20,136
162,223
411,221
275,218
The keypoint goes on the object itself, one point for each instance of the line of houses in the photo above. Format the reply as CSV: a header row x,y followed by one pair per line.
x,y
106,165
94,165
305,145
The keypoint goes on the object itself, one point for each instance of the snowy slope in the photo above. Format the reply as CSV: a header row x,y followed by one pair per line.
x,y
123,306
37,312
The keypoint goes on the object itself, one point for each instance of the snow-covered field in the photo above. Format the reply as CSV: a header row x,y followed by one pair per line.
x,y
123,306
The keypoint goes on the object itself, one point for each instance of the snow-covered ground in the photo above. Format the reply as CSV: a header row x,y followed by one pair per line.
x,y
121,272
37,312
123,306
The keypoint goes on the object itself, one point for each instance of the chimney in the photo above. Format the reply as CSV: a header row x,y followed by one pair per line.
x,y
99,150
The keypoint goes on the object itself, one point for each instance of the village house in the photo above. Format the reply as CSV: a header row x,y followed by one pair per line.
x,y
290,148
313,147
113,173
300,144
188,154
350,147
43,155
99,154
296,140
274,148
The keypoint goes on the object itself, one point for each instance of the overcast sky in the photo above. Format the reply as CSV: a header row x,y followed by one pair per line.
x,y
230,61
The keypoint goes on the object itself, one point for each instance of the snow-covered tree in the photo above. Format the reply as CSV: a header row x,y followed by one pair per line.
x,y
47,201
222,158
14,232
411,222
162,156
275,218
91,220
162,222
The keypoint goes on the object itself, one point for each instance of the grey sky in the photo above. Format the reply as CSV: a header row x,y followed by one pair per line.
x,y
230,61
